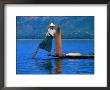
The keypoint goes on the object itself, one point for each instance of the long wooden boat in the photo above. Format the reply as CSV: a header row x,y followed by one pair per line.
x,y
75,57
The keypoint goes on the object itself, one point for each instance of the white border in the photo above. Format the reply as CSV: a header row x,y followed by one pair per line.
x,y
96,80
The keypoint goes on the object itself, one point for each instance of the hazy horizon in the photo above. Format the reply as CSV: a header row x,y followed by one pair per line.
x,y
73,27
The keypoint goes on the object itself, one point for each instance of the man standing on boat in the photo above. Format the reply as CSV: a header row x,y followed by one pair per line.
x,y
46,44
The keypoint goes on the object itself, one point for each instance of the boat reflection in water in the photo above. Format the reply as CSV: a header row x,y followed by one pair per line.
x,y
62,66
48,66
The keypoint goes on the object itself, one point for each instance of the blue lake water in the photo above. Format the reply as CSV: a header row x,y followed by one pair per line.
x,y
44,64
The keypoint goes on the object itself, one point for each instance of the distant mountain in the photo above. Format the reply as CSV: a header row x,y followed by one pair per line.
x,y
73,27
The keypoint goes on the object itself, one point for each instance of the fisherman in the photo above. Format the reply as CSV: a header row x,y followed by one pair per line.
x,y
46,44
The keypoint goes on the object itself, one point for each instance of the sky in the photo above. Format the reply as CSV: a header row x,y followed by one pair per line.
x,y
73,27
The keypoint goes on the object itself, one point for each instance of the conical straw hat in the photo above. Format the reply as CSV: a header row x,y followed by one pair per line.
x,y
52,24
